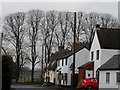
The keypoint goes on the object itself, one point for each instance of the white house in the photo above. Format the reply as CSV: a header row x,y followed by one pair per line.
x,y
105,44
64,66
109,74
52,73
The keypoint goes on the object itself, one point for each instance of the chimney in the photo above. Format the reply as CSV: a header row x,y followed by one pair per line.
x,y
60,48
97,25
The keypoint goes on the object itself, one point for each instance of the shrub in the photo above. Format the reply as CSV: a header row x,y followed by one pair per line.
x,y
8,67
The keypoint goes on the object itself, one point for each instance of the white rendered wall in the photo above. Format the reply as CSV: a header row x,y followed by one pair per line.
x,y
94,47
102,79
81,58
106,54
52,75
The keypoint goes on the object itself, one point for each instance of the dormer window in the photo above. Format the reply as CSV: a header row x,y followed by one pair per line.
x,y
97,55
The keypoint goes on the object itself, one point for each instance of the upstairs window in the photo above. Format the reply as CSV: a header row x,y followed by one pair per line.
x,y
92,55
62,62
66,61
58,63
97,55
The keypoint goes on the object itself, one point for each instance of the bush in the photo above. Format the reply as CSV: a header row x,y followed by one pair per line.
x,y
7,71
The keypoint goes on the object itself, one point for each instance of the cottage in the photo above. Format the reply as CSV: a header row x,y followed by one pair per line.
x,y
105,44
109,74
52,73
64,66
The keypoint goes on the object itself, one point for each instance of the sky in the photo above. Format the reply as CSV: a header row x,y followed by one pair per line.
x,y
101,7
11,6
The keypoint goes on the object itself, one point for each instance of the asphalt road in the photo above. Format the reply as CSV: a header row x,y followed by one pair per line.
x,y
33,87
36,87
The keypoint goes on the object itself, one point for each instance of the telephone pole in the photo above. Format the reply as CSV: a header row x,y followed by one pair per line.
x,y
73,68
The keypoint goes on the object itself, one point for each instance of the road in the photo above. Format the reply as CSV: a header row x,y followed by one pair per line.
x,y
36,87
33,87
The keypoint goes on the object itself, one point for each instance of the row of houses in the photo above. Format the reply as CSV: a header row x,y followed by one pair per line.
x,y
100,59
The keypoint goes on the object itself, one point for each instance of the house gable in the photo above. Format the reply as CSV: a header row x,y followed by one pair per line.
x,y
95,46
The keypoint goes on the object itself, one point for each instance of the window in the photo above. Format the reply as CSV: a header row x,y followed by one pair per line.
x,y
58,63
118,77
62,62
107,78
92,53
62,76
66,61
97,55
66,78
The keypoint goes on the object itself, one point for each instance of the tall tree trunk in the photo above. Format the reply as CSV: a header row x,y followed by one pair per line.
x,y
32,73
17,70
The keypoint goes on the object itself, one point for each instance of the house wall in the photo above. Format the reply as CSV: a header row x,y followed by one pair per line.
x,y
102,80
52,75
81,58
69,71
94,47
104,54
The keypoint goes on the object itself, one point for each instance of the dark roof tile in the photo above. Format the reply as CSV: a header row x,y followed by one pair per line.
x,y
109,38
111,64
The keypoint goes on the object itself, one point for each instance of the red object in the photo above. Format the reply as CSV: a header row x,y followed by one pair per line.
x,y
90,83
83,68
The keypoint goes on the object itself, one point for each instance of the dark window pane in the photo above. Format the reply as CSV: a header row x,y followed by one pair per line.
x,y
97,55
118,77
107,77
92,55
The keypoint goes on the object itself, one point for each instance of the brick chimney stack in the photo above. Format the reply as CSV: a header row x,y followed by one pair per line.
x,y
97,25
60,48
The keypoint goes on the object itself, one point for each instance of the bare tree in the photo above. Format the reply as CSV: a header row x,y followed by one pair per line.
x,y
104,20
107,21
14,34
34,18
51,21
63,29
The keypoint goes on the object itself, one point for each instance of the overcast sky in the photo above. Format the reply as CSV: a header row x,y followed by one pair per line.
x,y
101,7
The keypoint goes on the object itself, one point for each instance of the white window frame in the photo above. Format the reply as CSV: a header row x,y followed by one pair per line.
x,y
107,77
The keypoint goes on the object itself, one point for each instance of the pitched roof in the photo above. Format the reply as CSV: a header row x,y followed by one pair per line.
x,y
85,64
109,38
56,56
59,54
52,65
81,46
111,64
64,54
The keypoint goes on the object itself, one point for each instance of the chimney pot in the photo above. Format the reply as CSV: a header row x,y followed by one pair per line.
x,y
97,25
60,48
